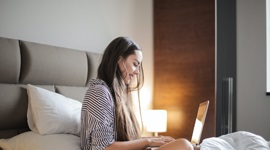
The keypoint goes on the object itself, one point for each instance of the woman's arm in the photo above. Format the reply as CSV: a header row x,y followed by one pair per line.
x,y
142,144
139,144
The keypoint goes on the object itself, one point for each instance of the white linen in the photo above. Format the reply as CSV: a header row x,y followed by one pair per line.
x,y
240,140
52,113
33,141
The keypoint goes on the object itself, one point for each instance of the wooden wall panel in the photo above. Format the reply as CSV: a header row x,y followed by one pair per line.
x,y
184,63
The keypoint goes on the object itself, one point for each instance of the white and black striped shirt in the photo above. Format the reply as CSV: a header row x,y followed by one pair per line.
x,y
97,117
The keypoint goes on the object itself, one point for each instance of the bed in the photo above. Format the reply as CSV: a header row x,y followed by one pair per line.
x,y
41,90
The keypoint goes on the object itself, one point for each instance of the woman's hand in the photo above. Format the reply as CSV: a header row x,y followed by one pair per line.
x,y
159,141
142,143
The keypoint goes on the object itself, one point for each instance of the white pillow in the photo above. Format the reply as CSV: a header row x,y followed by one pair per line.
x,y
33,141
51,113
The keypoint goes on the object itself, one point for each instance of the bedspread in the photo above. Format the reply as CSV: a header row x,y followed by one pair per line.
x,y
240,140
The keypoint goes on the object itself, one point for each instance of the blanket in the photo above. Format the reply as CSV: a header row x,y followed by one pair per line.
x,y
240,140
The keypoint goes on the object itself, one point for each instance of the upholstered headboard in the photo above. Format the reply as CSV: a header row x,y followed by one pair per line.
x,y
62,70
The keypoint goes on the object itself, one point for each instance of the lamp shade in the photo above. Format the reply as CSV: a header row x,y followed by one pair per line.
x,y
156,121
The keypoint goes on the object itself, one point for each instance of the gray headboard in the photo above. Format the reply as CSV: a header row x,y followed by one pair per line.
x,y
62,70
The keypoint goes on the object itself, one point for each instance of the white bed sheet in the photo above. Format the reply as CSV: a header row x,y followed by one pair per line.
x,y
240,140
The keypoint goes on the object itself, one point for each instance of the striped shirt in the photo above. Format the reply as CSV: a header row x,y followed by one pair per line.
x,y
97,117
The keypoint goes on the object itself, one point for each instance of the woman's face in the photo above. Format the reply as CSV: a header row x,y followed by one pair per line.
x,y
130,66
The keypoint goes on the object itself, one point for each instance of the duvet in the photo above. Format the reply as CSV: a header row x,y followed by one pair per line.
x,y
240,140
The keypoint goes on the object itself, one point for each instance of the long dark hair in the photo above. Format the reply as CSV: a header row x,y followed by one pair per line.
x,y
126,124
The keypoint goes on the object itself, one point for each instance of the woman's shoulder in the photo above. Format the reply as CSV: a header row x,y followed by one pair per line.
x,y
98,91
98,98
98,84
97,81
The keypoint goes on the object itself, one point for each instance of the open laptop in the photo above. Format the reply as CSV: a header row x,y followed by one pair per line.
x,y
199,123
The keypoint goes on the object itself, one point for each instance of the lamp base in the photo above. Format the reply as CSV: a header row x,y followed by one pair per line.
x,y
156,134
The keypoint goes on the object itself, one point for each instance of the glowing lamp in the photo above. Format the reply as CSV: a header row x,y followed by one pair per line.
x,y
156,121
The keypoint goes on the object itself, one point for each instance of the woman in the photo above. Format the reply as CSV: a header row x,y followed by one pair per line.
x,y
108,121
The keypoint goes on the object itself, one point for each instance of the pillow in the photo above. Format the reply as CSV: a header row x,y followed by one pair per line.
x,y
33,141
52,113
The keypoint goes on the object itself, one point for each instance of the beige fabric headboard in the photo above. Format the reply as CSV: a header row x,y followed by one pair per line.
x,y
62,70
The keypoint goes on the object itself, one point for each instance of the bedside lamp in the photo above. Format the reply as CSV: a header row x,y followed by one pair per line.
x,y
156,121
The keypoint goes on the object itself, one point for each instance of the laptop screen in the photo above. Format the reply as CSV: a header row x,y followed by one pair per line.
x,y
199,122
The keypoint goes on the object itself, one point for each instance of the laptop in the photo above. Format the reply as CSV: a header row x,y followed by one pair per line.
x,y
199,123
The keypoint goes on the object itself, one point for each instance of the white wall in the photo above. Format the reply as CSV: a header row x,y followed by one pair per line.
x,y
253,106
84,25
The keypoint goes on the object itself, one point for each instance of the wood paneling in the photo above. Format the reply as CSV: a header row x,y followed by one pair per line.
x,y
184,63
